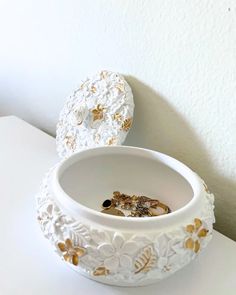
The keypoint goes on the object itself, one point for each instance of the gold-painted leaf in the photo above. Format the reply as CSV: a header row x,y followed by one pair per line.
x,y
189,243
145,260
101,271
126,125
202,233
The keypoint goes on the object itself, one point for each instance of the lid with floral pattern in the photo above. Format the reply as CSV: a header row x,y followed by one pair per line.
x,y
98,113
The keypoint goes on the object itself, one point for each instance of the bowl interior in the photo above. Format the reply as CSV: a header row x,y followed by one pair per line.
x,y
92,178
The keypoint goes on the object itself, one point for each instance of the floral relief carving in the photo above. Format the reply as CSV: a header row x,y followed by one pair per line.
x,y
112,255
117,253
71,253
98,113
195,232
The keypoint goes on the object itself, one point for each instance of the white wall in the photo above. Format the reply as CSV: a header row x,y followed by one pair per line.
x,y
178,56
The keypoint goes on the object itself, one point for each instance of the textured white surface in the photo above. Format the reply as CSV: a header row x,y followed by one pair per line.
x,y
178,56
98,113
27,263
123,253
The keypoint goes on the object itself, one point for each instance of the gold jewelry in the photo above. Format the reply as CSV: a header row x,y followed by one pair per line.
x,y
139,206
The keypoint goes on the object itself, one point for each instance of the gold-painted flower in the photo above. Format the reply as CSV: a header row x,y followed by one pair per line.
x,y
101,271
70,252
98,112
196,232
70,142
126,125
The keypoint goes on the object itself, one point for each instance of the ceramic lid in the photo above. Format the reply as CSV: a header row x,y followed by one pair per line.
x,y
98,113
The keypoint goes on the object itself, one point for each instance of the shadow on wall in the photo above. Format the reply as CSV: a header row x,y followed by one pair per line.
x,y
158,126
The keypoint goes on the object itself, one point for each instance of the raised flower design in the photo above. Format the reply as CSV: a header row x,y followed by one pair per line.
x,y
118,253
71,253
195,233
78,116
70,142
169,251
98,112
50,219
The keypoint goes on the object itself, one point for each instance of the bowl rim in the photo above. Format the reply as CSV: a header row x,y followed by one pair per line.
x,y
78,210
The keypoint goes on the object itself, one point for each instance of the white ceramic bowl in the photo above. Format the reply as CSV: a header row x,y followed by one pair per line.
x,y
119,250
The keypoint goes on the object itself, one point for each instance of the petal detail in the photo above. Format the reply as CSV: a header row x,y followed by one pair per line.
x,y
106,249
190,228
118,241
129,248
202,233
79,251
196,246
62,247
67,257
75,259
162,261
111,263
198,223
68,243
126,261
189,243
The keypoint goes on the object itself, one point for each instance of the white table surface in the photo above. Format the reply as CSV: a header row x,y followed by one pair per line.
x,y
27,262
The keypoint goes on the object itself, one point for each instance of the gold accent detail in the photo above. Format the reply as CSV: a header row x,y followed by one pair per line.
x,y
206,188
197,232
189,244
117,117
190,228
145,261
113,211
202,233
101,271
198,223
98,112
112,140
196,246
120,87
82,85
126,125
103,74
70,142
93,89
70,252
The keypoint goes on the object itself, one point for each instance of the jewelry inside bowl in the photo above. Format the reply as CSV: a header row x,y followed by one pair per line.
x,y
125,251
